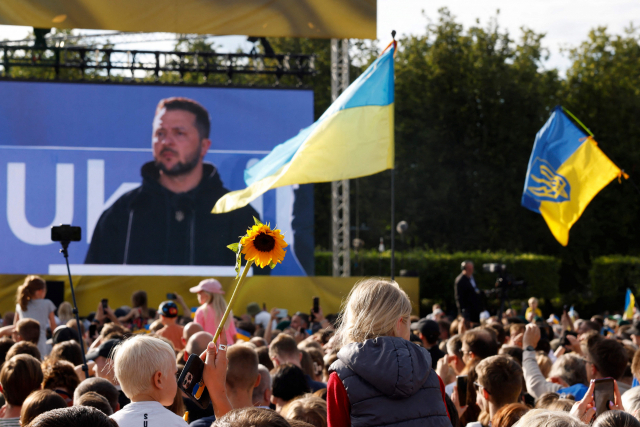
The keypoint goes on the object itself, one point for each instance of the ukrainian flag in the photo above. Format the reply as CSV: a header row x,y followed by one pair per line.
x,y
353,138
629,304
566,170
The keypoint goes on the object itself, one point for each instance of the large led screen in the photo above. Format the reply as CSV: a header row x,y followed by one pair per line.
x,y
109,158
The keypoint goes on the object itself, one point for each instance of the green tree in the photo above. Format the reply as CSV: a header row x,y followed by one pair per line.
x,y
602,88
468,105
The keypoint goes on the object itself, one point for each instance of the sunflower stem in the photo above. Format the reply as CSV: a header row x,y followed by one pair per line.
x,y
232,300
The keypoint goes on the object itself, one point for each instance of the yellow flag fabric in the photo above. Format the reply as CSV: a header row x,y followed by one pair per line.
x,y
351,144
629,305
268,18
566,171
588,171
353,138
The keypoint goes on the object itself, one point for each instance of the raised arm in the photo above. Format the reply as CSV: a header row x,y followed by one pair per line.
x,y
267,331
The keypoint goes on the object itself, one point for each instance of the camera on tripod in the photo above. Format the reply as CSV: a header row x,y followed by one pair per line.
x,y
494,267
504,280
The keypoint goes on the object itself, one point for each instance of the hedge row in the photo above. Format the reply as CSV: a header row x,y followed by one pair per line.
x,y
438,270
611,275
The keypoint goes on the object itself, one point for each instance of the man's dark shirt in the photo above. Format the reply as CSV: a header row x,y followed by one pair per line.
x,y
123,400
436,354
151,225
197,413
314,385
468,298
202,422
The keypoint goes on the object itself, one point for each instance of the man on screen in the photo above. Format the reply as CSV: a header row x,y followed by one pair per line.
x,y
168,220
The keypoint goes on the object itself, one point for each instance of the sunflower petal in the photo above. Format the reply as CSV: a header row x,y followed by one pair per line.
x,y
259,254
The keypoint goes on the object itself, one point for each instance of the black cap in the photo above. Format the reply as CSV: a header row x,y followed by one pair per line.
x,y
121,311
169,309
63,333
429,328
104,350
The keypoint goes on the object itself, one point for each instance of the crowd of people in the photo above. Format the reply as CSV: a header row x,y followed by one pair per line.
x,y
373,364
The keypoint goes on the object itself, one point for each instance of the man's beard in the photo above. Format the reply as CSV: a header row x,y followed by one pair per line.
x,y
179,168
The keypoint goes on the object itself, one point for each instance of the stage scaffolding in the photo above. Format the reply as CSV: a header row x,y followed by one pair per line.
x,y
340,189
154,67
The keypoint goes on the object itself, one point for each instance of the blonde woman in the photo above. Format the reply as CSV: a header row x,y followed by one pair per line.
x,y
212,307
65,313
390,381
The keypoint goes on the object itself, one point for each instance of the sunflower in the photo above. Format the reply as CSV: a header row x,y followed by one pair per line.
x,y
263,245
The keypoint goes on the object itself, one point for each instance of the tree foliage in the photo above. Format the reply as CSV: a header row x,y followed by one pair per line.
x,y
468,105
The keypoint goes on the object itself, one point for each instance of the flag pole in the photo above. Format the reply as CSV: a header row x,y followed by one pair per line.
x,y
393,221
393,201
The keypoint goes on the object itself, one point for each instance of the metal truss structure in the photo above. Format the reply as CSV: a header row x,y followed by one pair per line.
x,y
340,189
73,63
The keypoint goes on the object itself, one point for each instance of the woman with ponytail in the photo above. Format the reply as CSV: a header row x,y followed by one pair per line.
x,y
31,304
212,308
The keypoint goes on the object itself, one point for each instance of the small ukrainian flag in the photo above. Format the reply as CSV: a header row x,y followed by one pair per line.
x,y
243,335
566,171
629,304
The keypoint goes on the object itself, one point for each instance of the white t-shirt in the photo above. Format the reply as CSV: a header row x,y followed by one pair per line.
x,y
263,318
147,414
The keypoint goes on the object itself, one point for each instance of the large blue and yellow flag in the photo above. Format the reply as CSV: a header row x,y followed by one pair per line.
x,y
566,170
353,138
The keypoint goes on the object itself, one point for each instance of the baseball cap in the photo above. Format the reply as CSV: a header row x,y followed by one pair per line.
x,y
429,328
104,350
208,285
168,309
63,333
122,311
253,309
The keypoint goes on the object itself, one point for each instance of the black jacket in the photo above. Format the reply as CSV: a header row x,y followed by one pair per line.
x,y
154,226
468,300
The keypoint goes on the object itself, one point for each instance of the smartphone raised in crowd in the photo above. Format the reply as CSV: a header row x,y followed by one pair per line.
x,y
105,303
315,309
563,338
461,383
603,394
171,296
283,313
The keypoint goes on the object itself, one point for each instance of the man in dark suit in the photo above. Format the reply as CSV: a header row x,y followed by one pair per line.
x,y
468,298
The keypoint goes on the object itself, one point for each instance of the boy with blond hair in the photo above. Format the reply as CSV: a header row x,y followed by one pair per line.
x,y
146,370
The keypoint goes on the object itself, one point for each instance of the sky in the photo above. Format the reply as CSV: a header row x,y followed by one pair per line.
x,y
565,22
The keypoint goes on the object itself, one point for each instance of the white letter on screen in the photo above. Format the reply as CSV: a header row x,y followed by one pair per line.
x,y
95,194
16,203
